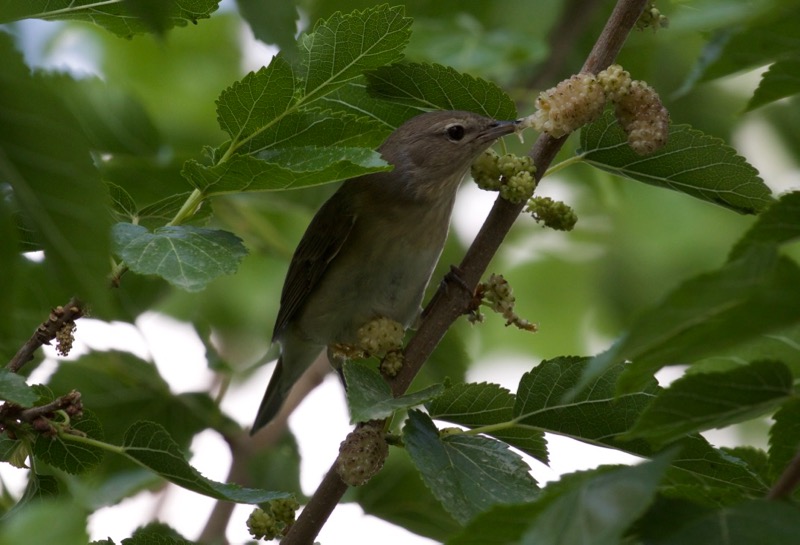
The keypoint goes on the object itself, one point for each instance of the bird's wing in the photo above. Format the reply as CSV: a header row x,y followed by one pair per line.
x,y
325,236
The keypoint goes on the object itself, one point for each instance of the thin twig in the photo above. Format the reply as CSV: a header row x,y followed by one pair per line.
x,y
788,482
46,332
448,304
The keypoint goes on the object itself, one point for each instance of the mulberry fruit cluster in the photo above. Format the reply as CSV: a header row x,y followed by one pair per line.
x,y
361,455
553,214
380,336
581,99
511,175
496,293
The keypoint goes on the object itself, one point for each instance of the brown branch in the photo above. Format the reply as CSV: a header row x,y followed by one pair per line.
x,y
243,448
46,332
575,17
788,482
448,304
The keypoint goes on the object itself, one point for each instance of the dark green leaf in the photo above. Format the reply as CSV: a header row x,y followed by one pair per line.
x,y
784,438
437,87
353,98
596,415
51,521
115,17
593,507
398,495
112,119
780,81
343,46
779,224
72,456
315,128
151,446
468,474
46,160
701,401
755,294
370,397
477,405
760,521
759,43
600,416
598,510
246,173
692,163
187,257
13,388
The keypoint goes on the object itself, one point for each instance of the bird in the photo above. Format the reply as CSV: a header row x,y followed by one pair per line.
x,y
370,250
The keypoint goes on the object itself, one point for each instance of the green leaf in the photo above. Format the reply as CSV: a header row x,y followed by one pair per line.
x,y
693,163
370,397
116,17
51,521
784,437
249,105
74,457
598,510
343,46
779,224
433,86
594,507
760,521
276,25
596,415
599,415
468,474
702,401
187,257
780,81
13,388
246,173
398,495
353,98
478,405
764,40
151,446
54,185
755,294
113,119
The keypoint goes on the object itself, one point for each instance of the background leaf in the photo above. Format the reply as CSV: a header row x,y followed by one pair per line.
x,y
780,81
55,187
116,17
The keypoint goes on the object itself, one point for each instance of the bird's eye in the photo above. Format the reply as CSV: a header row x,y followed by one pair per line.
x,y
455,132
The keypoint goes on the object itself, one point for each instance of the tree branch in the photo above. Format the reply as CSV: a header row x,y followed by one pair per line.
x,y
46,332
448,304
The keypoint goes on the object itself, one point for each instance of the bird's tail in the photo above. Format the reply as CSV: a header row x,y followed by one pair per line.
x,y
273,398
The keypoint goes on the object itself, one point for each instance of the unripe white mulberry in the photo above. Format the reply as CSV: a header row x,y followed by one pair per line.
x,y
569,105
643,117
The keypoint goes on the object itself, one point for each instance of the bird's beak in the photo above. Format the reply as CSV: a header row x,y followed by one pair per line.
x,y
498,129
